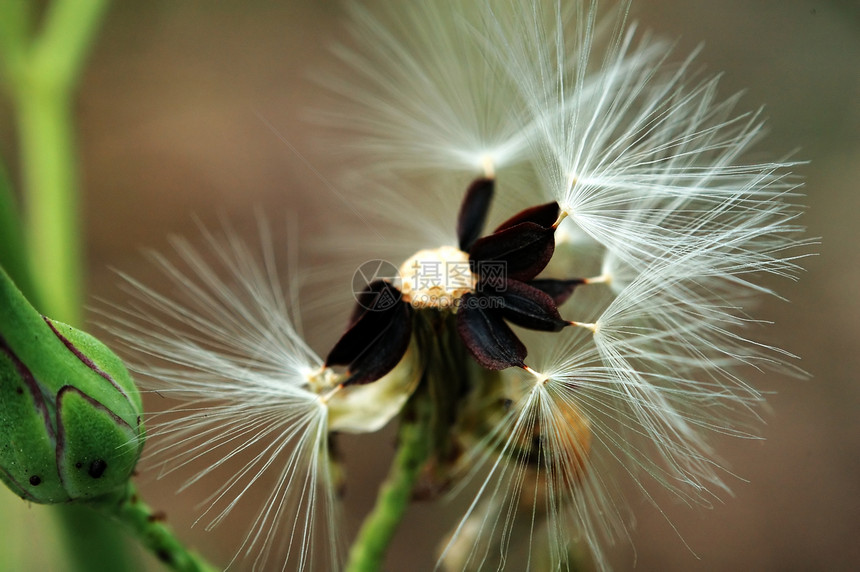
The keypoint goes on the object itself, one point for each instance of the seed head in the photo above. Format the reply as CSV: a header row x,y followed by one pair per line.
x,y
437,278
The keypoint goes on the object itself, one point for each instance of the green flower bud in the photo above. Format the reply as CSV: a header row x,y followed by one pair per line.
x,y
70,414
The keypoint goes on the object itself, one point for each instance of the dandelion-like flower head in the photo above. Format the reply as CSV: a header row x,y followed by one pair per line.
x,y
598,333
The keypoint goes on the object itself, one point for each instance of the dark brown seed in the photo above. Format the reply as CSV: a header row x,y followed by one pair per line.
x,y
473,212
559,290
528,307
376,342
524,249
379,295
490,340
545,215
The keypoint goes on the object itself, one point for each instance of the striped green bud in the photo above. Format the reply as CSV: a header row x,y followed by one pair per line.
x,y
70,414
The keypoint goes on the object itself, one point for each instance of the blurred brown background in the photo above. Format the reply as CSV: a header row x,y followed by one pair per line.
x,y
170,127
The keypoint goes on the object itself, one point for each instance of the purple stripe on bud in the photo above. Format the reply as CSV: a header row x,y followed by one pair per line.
x,y
84,359
16,486
32,386
61,433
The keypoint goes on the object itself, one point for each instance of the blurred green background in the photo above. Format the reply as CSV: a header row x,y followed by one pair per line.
x,y
169,125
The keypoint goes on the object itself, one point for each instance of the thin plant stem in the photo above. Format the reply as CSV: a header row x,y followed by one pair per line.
x,y
13,256
414,445
148,527
50,178
90,540
423,435
43,74
68,32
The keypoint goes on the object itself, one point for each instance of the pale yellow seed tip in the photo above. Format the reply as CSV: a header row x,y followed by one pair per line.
x,y
541,377
489,166
602,279
531,371
587,325
326,397
322,380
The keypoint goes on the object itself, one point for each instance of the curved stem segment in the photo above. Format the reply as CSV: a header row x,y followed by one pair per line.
x,y
41,66
424,434
148,527
368,551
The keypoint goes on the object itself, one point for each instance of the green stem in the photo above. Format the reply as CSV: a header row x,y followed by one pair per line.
x,y
368,550
89,539
15,19
48,163
148,527
13,256
424,434
68,32
42,72
41,68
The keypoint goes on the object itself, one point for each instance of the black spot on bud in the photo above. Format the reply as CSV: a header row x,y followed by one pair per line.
x,y
78,465
35,480
19,391
97,468
164,556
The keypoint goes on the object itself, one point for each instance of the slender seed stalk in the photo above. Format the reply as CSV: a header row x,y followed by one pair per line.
x,y
90,540
368,551
424,425
148,527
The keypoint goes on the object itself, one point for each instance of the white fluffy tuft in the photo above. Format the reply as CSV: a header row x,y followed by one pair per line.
x,y
230,372
649,163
